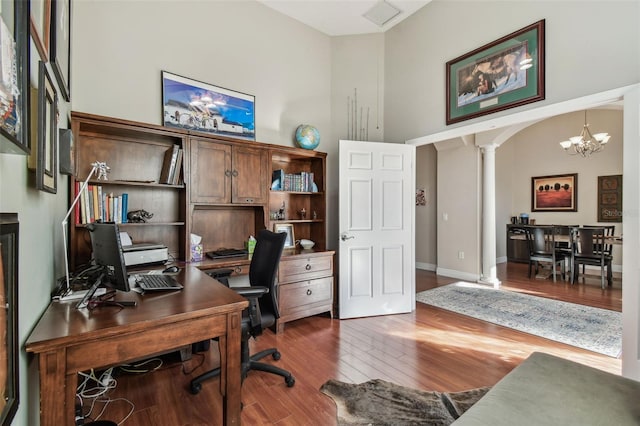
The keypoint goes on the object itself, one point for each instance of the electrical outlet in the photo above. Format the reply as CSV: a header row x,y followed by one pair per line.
x,y
460,255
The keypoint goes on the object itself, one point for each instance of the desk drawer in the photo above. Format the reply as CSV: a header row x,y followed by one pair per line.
x,y
300,298
304,268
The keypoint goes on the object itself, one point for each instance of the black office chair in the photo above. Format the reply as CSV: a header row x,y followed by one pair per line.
x,y
260,289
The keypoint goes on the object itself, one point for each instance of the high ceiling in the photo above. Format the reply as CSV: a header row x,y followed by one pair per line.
x,y
344,17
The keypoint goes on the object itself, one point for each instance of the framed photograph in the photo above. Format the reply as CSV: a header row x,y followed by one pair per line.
x,y
610,198
60,45
14,99
41,26
194,105
47,133
10,343
557,193
287,228
503,74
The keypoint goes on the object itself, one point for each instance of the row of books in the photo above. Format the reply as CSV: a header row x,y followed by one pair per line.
x,y
298,182
95,204
171,166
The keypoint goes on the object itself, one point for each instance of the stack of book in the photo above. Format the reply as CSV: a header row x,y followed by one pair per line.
x,y
295,182
95,204
171,166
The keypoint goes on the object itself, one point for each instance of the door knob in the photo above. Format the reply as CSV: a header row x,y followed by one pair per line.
x,y
345,237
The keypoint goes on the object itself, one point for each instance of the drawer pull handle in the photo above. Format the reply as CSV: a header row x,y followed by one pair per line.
x,y
308,267
238,269
309,292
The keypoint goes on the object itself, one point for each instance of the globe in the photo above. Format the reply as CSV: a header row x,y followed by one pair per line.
x,y
308,137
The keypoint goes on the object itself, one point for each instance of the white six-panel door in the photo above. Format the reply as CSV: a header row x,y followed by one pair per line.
x,y
377,236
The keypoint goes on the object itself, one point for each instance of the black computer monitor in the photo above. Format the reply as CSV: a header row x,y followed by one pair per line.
x,y
108,258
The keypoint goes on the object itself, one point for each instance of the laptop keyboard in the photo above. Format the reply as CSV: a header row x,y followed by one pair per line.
x,y
157,282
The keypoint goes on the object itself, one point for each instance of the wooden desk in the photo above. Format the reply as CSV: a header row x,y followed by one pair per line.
x,y
67,340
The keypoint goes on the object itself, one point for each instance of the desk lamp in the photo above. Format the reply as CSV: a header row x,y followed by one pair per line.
x,y
102,169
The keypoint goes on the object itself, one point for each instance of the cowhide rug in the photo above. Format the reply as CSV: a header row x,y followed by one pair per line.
x,y
378,402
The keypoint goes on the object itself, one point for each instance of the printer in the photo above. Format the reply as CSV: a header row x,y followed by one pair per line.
x,y
142,253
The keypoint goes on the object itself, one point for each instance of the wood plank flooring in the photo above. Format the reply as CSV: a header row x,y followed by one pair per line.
x,y
430,349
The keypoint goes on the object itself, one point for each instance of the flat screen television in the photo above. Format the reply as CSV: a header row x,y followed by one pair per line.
x,y
108,258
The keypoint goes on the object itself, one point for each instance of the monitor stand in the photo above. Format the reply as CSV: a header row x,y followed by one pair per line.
x,y
90,293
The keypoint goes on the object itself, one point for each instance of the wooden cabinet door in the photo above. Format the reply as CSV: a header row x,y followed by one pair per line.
x,y
210,172
250,173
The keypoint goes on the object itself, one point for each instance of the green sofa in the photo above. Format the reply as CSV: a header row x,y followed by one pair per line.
x,y
547,390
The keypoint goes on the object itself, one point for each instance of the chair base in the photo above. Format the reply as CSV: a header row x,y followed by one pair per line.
x,y
248,364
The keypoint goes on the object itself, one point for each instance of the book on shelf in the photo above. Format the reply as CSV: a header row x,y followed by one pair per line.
x,y
96,204
169,164
175,178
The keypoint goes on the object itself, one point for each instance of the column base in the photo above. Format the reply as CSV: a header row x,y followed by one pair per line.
x,y
492,281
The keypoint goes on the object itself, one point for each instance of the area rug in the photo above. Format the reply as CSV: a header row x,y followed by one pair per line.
x,y
378,402
594,329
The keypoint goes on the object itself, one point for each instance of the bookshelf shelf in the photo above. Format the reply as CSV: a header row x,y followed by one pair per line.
x,y
135,183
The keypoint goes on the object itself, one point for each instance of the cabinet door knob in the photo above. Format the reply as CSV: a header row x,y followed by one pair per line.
x,y
227,173
234,173
238,269
309,292
308,267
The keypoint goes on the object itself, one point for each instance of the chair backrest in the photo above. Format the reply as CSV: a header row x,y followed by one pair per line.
x,y
608,231
563,235
588,242
264,268
541,240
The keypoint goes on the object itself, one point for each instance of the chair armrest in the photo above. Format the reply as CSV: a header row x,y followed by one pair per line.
x,y
253,311
221,275
253,292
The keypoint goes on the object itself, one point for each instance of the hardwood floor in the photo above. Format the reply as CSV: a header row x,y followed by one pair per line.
x,y
430,349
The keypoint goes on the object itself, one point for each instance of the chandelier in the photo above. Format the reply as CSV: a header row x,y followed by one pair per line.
x,y
585,144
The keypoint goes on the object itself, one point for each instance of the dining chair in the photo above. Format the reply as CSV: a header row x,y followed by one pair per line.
x,y
542,248
589,247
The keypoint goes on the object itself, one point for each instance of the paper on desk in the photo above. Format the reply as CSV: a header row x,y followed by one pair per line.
x,y
125,239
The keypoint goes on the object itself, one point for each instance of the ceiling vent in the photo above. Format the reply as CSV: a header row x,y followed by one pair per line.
x,y
381,13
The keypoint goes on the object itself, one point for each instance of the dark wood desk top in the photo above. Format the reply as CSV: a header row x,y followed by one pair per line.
x,y
62,324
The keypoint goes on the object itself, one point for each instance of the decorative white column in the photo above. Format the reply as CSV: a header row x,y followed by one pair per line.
x,y
489,271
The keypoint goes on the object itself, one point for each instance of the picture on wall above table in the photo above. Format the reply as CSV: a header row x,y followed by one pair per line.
x,y
14,100
194,105
41,26
44,159
557,193
503,74
60,45
610,198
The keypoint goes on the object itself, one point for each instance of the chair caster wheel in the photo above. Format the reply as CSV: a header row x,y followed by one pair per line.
x,y
195,388
290,381
276,355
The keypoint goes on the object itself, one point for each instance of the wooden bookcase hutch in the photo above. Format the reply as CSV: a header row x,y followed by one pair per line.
x,y
224,195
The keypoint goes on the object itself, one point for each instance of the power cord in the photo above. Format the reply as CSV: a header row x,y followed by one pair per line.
x,y
93,387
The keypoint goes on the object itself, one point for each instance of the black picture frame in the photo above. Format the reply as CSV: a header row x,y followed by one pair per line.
x,y
554,193
610,198
47,159
9,241
60,48
198,106
512,69
16,140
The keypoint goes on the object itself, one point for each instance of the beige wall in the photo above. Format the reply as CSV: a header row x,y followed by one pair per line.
x,y
426,256
418,49
535,152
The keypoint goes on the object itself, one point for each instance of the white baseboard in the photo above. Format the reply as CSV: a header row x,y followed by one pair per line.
x,y
426,266
502,259
457,274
